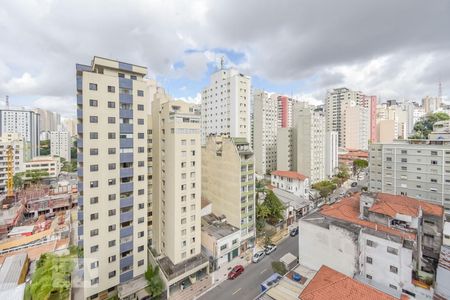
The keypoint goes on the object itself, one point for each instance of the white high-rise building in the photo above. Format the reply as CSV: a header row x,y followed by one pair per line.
x,y
24,122
265,132
310,149
112,110
16,141
60,144
226,105
331,153
71,126
49,121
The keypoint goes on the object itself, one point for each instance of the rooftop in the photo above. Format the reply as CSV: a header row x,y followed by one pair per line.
x,y
11,270
287,198
290,174
348,210
391,205
331,284
172,271
216,227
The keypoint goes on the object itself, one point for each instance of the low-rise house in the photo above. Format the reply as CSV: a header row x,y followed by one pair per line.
x,y
387,241
295,206
48,164
442,287
291,182
220,240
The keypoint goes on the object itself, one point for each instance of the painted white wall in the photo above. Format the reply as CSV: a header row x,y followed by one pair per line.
x,y
294,186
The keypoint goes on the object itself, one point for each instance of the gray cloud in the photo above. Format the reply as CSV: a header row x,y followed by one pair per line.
x,y
397,48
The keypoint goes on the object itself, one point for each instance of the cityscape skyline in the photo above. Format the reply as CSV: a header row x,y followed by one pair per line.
x,y
400,58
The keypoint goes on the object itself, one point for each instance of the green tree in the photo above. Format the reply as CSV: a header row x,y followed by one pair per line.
x,y
44,148
18,181
343,172
325,188
35,175
155,283
278,267
359,165
424,126
267,240
275,207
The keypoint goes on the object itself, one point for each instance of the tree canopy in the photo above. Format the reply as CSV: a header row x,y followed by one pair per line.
x,y
325,187
155,283
359,165
424,126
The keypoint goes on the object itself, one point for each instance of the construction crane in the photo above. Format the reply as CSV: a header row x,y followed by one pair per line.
x,y
9,168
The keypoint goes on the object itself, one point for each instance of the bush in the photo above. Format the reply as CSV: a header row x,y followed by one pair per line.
x,y
278,267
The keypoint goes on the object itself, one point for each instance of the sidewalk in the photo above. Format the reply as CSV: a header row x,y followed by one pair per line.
x,y
194,290
222,273
277,238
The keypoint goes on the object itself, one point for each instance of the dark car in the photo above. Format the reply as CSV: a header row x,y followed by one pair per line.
x,y
354,184
294,231
235,272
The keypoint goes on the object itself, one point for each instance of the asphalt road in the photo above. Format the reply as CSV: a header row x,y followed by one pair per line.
x,y
247,285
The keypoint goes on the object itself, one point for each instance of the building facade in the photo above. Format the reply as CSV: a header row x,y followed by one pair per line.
x,y
228,182
226,105
60,144
24,122
416,168
286,149
47,164
48,120
291,182
112,109
265,132
16,141
331,154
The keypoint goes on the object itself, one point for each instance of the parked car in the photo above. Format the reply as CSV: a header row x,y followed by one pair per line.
x,y
294,231
354,184
258,256
235,272
270,248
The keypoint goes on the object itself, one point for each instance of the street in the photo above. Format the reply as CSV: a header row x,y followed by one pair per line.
x,y
247,285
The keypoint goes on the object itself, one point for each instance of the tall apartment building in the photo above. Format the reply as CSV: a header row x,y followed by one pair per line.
x,y
176,191
286,112
416,168
431,104
16,141
228,182
348,113
71,126
286,149
226,105
112,109
25,122
331,154
404,116
265,132
48,121
310,147
60,144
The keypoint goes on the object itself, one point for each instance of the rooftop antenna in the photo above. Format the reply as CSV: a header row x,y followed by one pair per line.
x,y
7,101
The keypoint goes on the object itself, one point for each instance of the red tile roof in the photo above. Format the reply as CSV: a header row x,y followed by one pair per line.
x,y
348,210
390,205
331,284
290,174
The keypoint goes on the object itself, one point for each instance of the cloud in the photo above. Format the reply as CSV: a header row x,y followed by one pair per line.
x,y
66,105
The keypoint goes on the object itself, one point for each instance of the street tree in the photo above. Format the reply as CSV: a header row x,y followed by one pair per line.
x,y
155,283
325,188
359,165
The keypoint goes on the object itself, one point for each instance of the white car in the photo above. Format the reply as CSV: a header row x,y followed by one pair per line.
x,y
258,256
270,248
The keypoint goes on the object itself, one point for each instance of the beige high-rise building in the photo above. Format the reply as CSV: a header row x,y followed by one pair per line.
x,y
431,104
226,105
49,121
60,144
286,149
176,191
16,141
112,109
265,132
228,182
71,126
386,131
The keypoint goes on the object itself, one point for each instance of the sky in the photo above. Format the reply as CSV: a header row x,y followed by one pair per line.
x,y
393,49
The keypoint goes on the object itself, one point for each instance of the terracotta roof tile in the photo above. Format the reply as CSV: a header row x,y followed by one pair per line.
x,y
331,284
390,205
290,174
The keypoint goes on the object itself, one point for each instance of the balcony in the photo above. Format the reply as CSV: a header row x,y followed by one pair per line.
x,y
128,246
125,83
79,157
126,157
126,98
80,244
80,172
80,186
125,66
80,216
126,113
126,231
79,113
126,128
79,143
79,128
126,143
126,172
125,217
126,276
80,99
79,83
80,230
126,261
126,187
126,202
80,201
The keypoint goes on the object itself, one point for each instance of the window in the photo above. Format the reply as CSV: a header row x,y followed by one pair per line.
x,y
93,151
111,104
140,135
370,243
121,75
393,269
111,135
112,181
111,120
141,192
94,232
141,220
140,234
112,274
93,184
93,168
111,150
94,248
93,103
140,263
111,212
140,163
141,178
94,281
94,265
92,86
140,248
93,119
93,135
111,197
141,149
94,216
140,107
369,260
183,221
111,243
141,206
140,121
434,162
94,200
112,259
369,276
112,227
111,89
140,93
392,286
223,247
133,77
434,153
